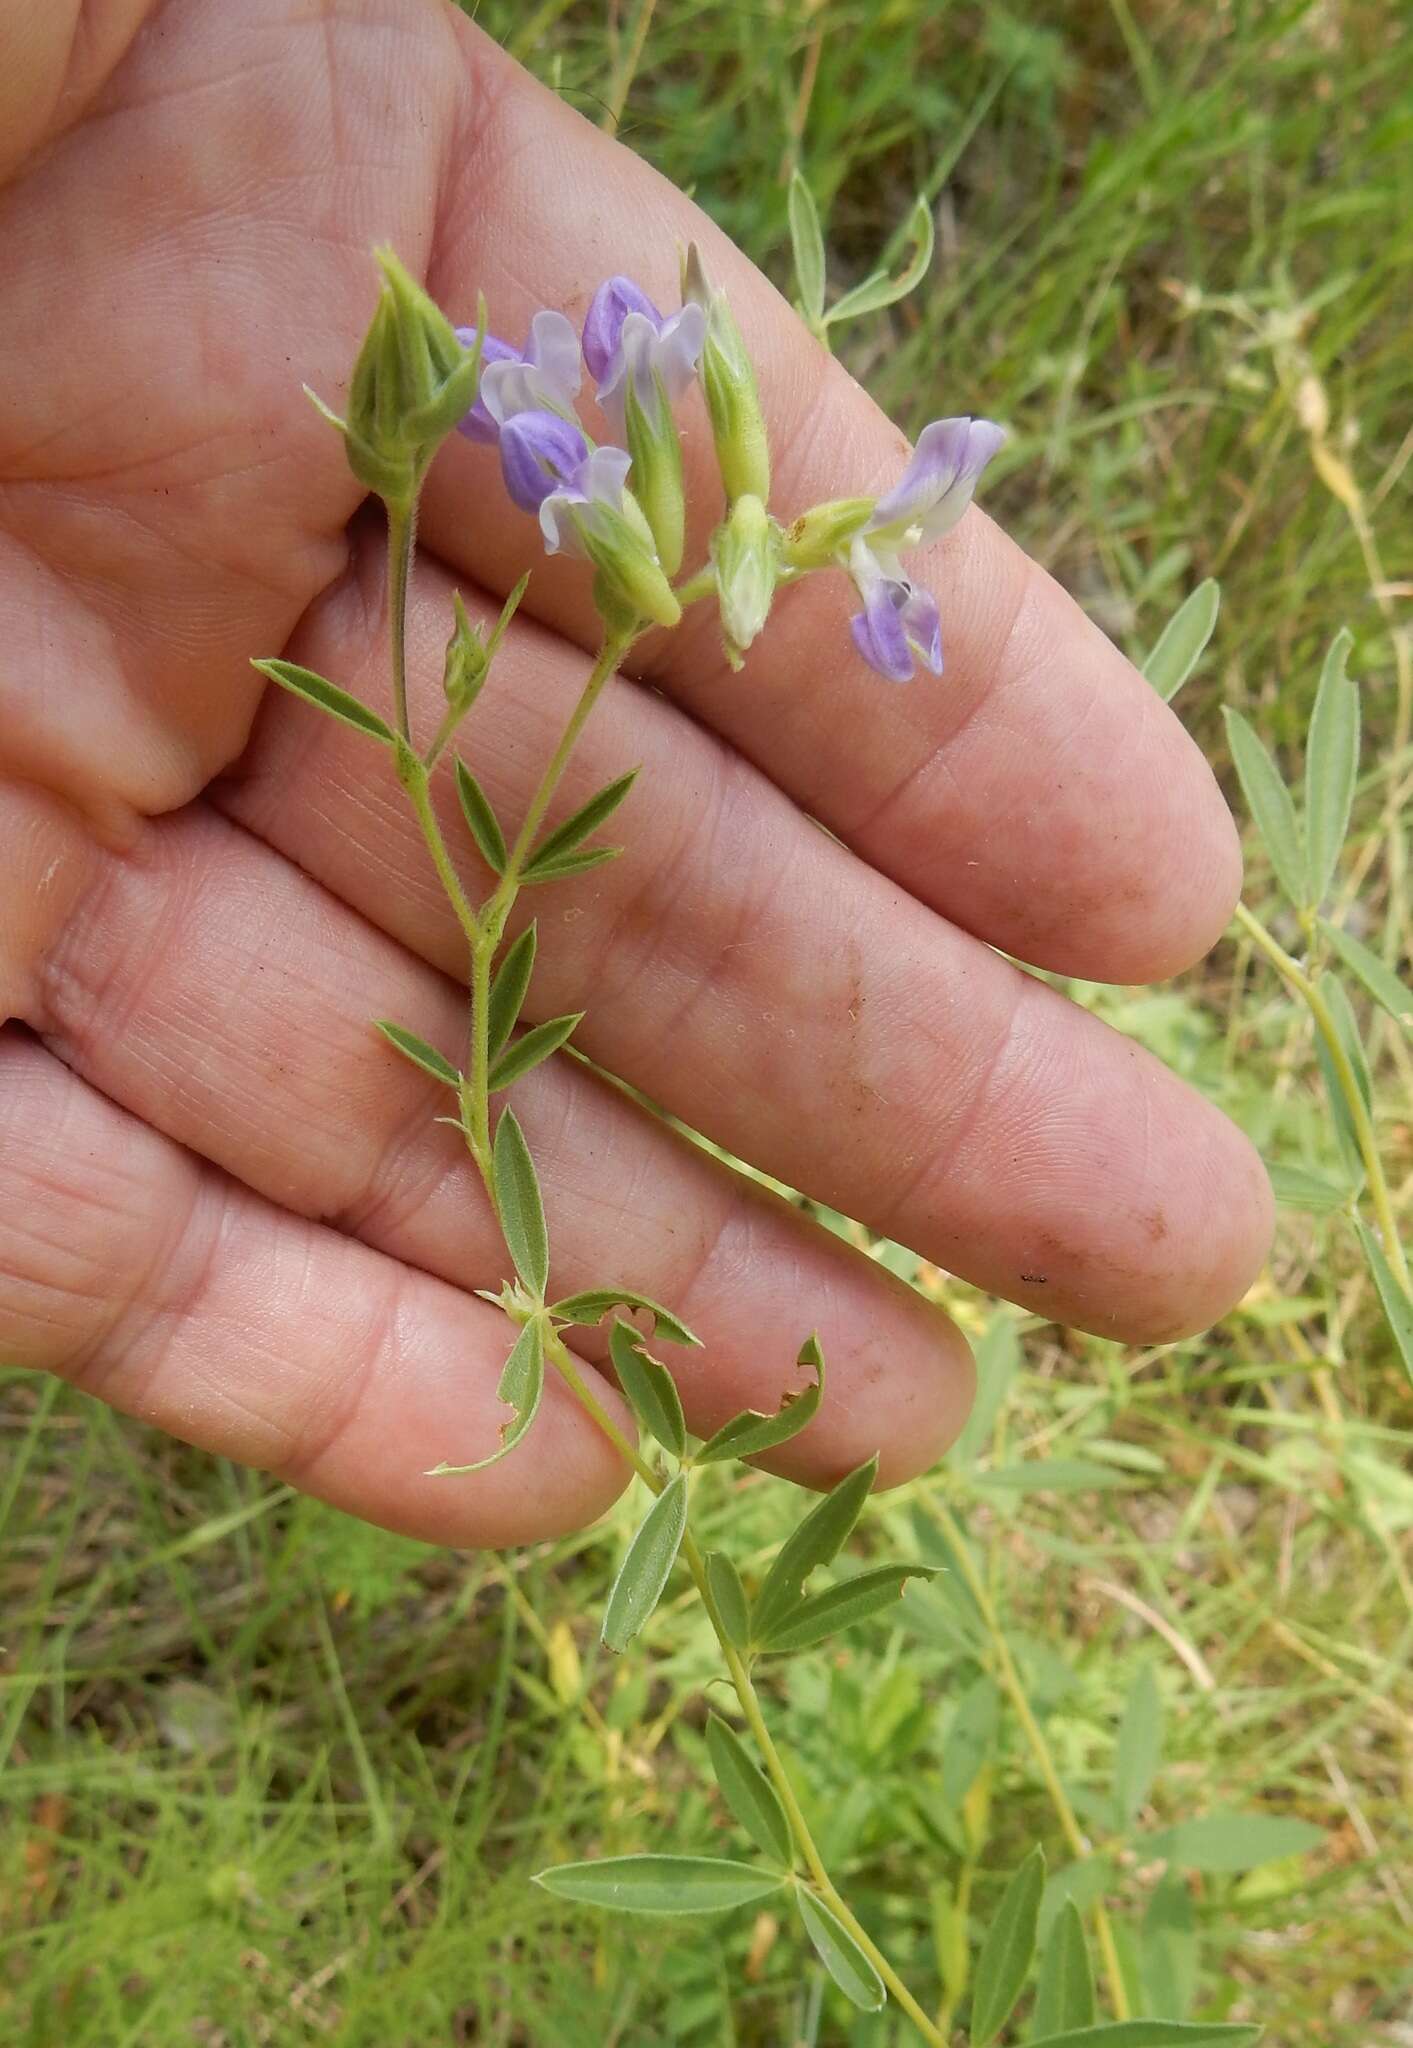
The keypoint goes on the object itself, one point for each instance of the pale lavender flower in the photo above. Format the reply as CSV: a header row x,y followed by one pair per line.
x,y
549,469
899,621
544,376
625,337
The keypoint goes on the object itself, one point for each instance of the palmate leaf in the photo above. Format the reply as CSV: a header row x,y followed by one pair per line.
x,y
818,1540
522,1212
1183,641
1380,981
840,1953
419,1052
526,1053
649,1388
842,1606
1331,766
661,1884
589,1308
646,1565
521,1385
1005,1958
509,988
553,850
748,1434
748,1792
317,689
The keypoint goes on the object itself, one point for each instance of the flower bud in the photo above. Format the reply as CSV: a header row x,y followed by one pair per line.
x,y
820,536
656,450
630,584
729,386
745,556
467,660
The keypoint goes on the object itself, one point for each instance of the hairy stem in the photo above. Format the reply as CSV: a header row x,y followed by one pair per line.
x,y
402,537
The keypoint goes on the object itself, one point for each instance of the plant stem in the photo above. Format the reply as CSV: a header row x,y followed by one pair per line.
x,y
1294,975
1011,1681
416,782
402,534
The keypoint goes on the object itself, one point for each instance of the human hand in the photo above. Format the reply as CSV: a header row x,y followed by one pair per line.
x,y
225,1206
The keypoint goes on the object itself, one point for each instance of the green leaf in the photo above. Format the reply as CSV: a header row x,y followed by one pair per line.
x,y
1294,1188
522,1382
1270,804
570,864
522,1212
1398,1309
1139,1747
840,1953
1004,1961
649,1388
732,1606
1347,1031
519,1059
816,1541
1220,1843
589,1309
1382,983
552,850
748,1434
842,1606
1183,641
476,809
316,689
508,989
1170,1948
1331,765
660,1884
646,1564
997,1362
879,289
970,1739
807,247
1064,1992
1154,2034
419,1052
748,1792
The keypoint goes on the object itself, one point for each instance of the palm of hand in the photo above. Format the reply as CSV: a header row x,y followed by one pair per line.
x,y
226,1206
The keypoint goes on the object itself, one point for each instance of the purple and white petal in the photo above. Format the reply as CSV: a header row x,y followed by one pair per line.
x,y
539,453
478,424
878,630
603,477
610,306
922,626
561,534
646,353
545,379
937,485
553,348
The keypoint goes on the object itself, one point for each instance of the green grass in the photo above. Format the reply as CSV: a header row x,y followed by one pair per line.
x,y
268,1776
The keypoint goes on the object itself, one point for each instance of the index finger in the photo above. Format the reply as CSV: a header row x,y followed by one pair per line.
x,y
1039,794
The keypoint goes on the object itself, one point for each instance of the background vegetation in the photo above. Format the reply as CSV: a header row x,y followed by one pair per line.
x,y
269,1776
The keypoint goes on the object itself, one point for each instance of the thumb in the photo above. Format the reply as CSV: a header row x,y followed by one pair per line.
x,y
56,55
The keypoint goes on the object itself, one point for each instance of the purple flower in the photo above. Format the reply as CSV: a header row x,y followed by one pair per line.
x,y
550,469
626,337
544,376
898,620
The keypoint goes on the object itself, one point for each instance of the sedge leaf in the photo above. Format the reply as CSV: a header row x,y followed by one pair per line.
x,y
1270,804
577,827
660,1884
1398,1309
1154,2034
818,1540
419,1052
1004,1961
646,1564
521,1384
748,1792
1380,981
1139,1747
316,689
484,826
649,1388
1331,765
1064,1992
842,1606
521,1058
807,248
589,1309
1183,641
840,1953
732,1607
522,1212
508,990
879,289
748,1434
1224,1843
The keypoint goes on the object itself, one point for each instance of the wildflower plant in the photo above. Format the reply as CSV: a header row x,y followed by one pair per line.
x,y
619,507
